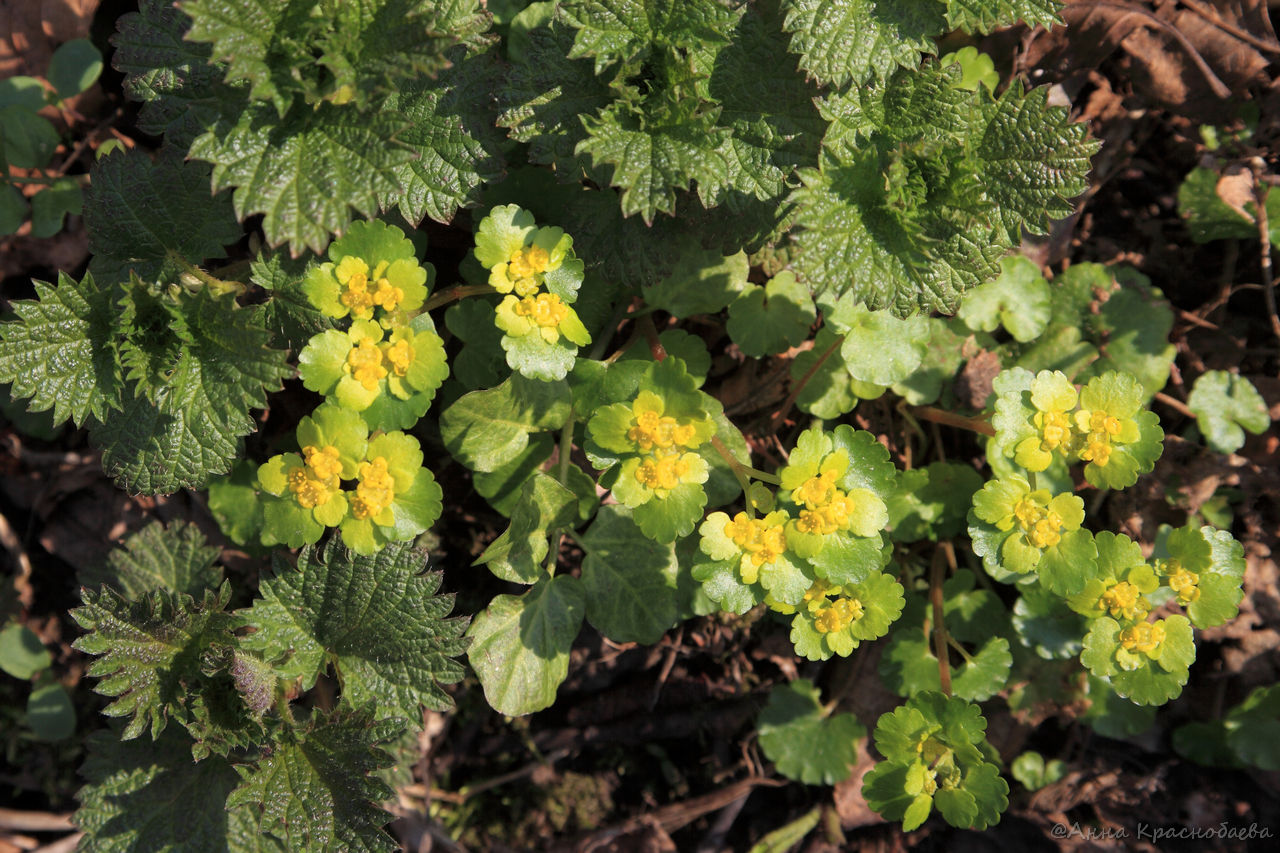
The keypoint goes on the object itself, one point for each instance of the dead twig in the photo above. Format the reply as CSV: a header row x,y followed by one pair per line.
x,y
21,821
1260,190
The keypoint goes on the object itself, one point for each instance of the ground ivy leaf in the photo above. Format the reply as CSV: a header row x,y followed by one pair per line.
x,y
176,558
517,554
149,649
484,429
318,790
305,171
140,212
62,351
805,742
377,618
704,282
770,319
1225,405
1019,299
144,795
628,579
520,644
853,41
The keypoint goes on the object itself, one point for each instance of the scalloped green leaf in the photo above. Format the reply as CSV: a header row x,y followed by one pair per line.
x,y
544,505
520,644
1019,300
629,580
1225,405
770,319
807,743
376,618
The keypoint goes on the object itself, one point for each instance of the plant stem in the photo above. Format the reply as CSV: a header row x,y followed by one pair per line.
x,y
562,474
217,285
785,408
49,181
939,627
942,416
650,332
1264,234
739,468
460,291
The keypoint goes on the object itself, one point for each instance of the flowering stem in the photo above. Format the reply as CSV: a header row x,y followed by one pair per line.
x,y
942,416
939,628
444,297
650,332
804,380
739,470
562,474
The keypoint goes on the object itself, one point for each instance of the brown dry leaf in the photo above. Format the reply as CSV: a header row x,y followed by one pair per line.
x,y
1235,188
850,805
30,30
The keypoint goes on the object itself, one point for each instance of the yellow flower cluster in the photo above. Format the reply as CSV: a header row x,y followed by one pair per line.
x,y
315,482
1100,429
546,311
1042,526
1124,600
663,470
1185,583
763,543
1145,637
660,431
355,277
524,265
831,616
826,509
364,363
375,489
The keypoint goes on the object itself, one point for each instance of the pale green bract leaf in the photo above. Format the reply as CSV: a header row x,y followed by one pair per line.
x,y
629,579
1019,300
520,644
804,742
376,618
767,320
1150,680
1225,406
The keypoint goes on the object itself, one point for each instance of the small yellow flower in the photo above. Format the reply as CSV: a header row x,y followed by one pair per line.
x,y
317,481
664,471
1145,637
1185,583
1124,600
375,491
364,363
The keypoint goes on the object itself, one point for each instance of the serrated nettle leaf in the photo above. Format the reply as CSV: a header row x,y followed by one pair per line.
x,y
983,16
176,558
307,170
376,618
852,42
520,644
62,351
149,649
318,790
1225,405
628,579
544,506
144,795
484,429
803,740
288,314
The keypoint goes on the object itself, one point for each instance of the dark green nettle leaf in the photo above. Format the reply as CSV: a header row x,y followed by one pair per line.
x,y
629,579
305,171
317,791
376,618
143,795
61,352
200,364
485,429
452,129
520,644
923,185
853,41
140,212
808,743
176,558
288,313
150,649
983,16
